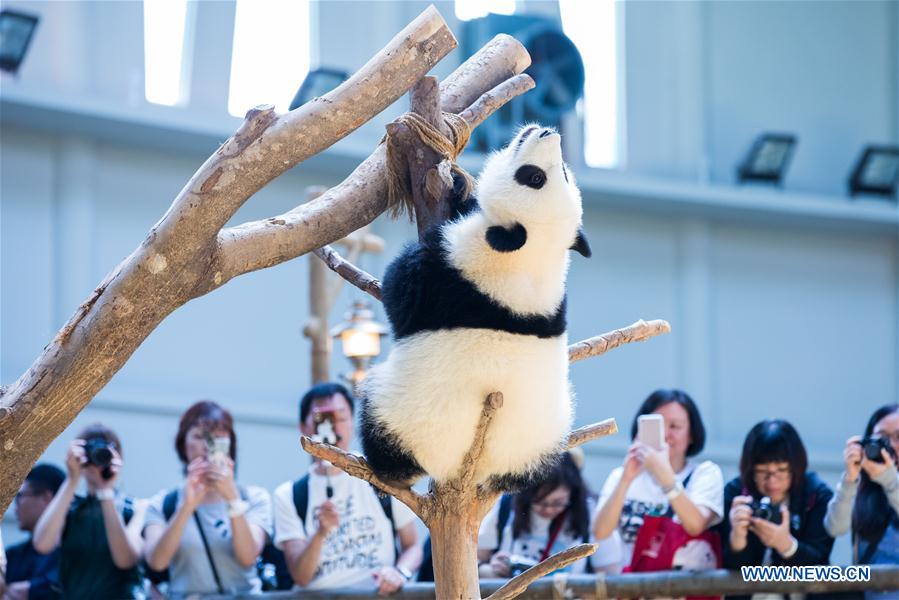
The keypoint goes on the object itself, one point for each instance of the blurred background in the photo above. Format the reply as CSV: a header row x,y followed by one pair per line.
x,y
777,269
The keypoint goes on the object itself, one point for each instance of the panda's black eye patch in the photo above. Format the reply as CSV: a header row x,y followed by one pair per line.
x,y
531,176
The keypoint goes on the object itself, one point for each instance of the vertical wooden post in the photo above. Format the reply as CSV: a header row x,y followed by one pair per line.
x,y
454,546
316,328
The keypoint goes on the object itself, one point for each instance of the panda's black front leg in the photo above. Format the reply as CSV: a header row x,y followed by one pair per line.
x,y
385,454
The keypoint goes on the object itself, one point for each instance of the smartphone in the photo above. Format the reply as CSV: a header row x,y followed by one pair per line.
x,y
324,426
219,450
651,430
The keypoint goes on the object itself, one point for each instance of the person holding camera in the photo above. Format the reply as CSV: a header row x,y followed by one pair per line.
x,y
31,575
661,492
775,506
335,530
550,516
98,534
208,532
867,498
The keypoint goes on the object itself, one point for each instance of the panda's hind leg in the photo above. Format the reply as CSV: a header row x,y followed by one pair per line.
x,y
515,482
391,462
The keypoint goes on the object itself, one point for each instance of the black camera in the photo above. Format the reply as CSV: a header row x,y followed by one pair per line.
x,y
872,446
99,453
764,509
519,564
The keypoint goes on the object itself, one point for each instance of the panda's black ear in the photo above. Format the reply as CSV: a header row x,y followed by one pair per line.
x,y
507,240
581,244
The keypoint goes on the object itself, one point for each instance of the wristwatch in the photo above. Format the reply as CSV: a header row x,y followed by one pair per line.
x,y
105,494
405,572
674,491
237,508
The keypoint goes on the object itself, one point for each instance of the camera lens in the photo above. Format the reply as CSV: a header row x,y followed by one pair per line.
x,y
873,446
98,453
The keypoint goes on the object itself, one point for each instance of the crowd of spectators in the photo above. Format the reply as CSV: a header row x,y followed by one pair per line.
x,y
663,508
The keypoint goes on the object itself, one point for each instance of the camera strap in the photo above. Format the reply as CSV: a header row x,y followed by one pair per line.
x,y
215,572
553,534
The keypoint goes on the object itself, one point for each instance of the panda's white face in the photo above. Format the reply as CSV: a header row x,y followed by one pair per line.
x,y
515,249
527,182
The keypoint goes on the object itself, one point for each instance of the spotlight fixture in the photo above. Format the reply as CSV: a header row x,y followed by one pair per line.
x,y
16,30
768,158
876,172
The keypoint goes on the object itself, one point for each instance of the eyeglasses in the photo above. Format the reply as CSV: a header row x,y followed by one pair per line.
x,y
780,473
557,505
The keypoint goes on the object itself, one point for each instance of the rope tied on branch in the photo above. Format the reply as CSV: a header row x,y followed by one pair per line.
x,y
399,185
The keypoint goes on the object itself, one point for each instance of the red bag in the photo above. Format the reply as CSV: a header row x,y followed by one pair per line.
x,y
662,544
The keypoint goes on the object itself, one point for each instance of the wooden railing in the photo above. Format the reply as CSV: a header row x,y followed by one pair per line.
x,y
668,584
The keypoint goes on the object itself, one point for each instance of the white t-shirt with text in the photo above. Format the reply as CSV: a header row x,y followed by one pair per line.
x,y
644,496
359,546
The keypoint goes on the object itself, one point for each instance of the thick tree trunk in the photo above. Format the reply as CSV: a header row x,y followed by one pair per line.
x,y
454,545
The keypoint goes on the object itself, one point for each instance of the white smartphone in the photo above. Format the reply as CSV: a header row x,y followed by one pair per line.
x,y
221,448
651,430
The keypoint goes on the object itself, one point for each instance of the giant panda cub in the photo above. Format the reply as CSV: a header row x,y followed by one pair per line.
x,y
479,306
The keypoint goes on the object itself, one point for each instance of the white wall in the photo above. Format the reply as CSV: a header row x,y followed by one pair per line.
x,y
770,318
704,78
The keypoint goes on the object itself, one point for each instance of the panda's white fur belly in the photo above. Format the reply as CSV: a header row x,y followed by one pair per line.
x,y
431,389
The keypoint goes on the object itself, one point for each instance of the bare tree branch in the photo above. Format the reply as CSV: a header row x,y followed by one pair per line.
x,y
470,462
519,584
493,100
638,332
358,467
588,433
499,60
350,272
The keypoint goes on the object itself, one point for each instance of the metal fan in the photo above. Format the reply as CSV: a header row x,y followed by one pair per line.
x,y
556,67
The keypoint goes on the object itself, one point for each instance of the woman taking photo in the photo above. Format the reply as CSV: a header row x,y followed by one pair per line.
x,y
209,531
663,482
553,515
867,497
775,507
98,534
